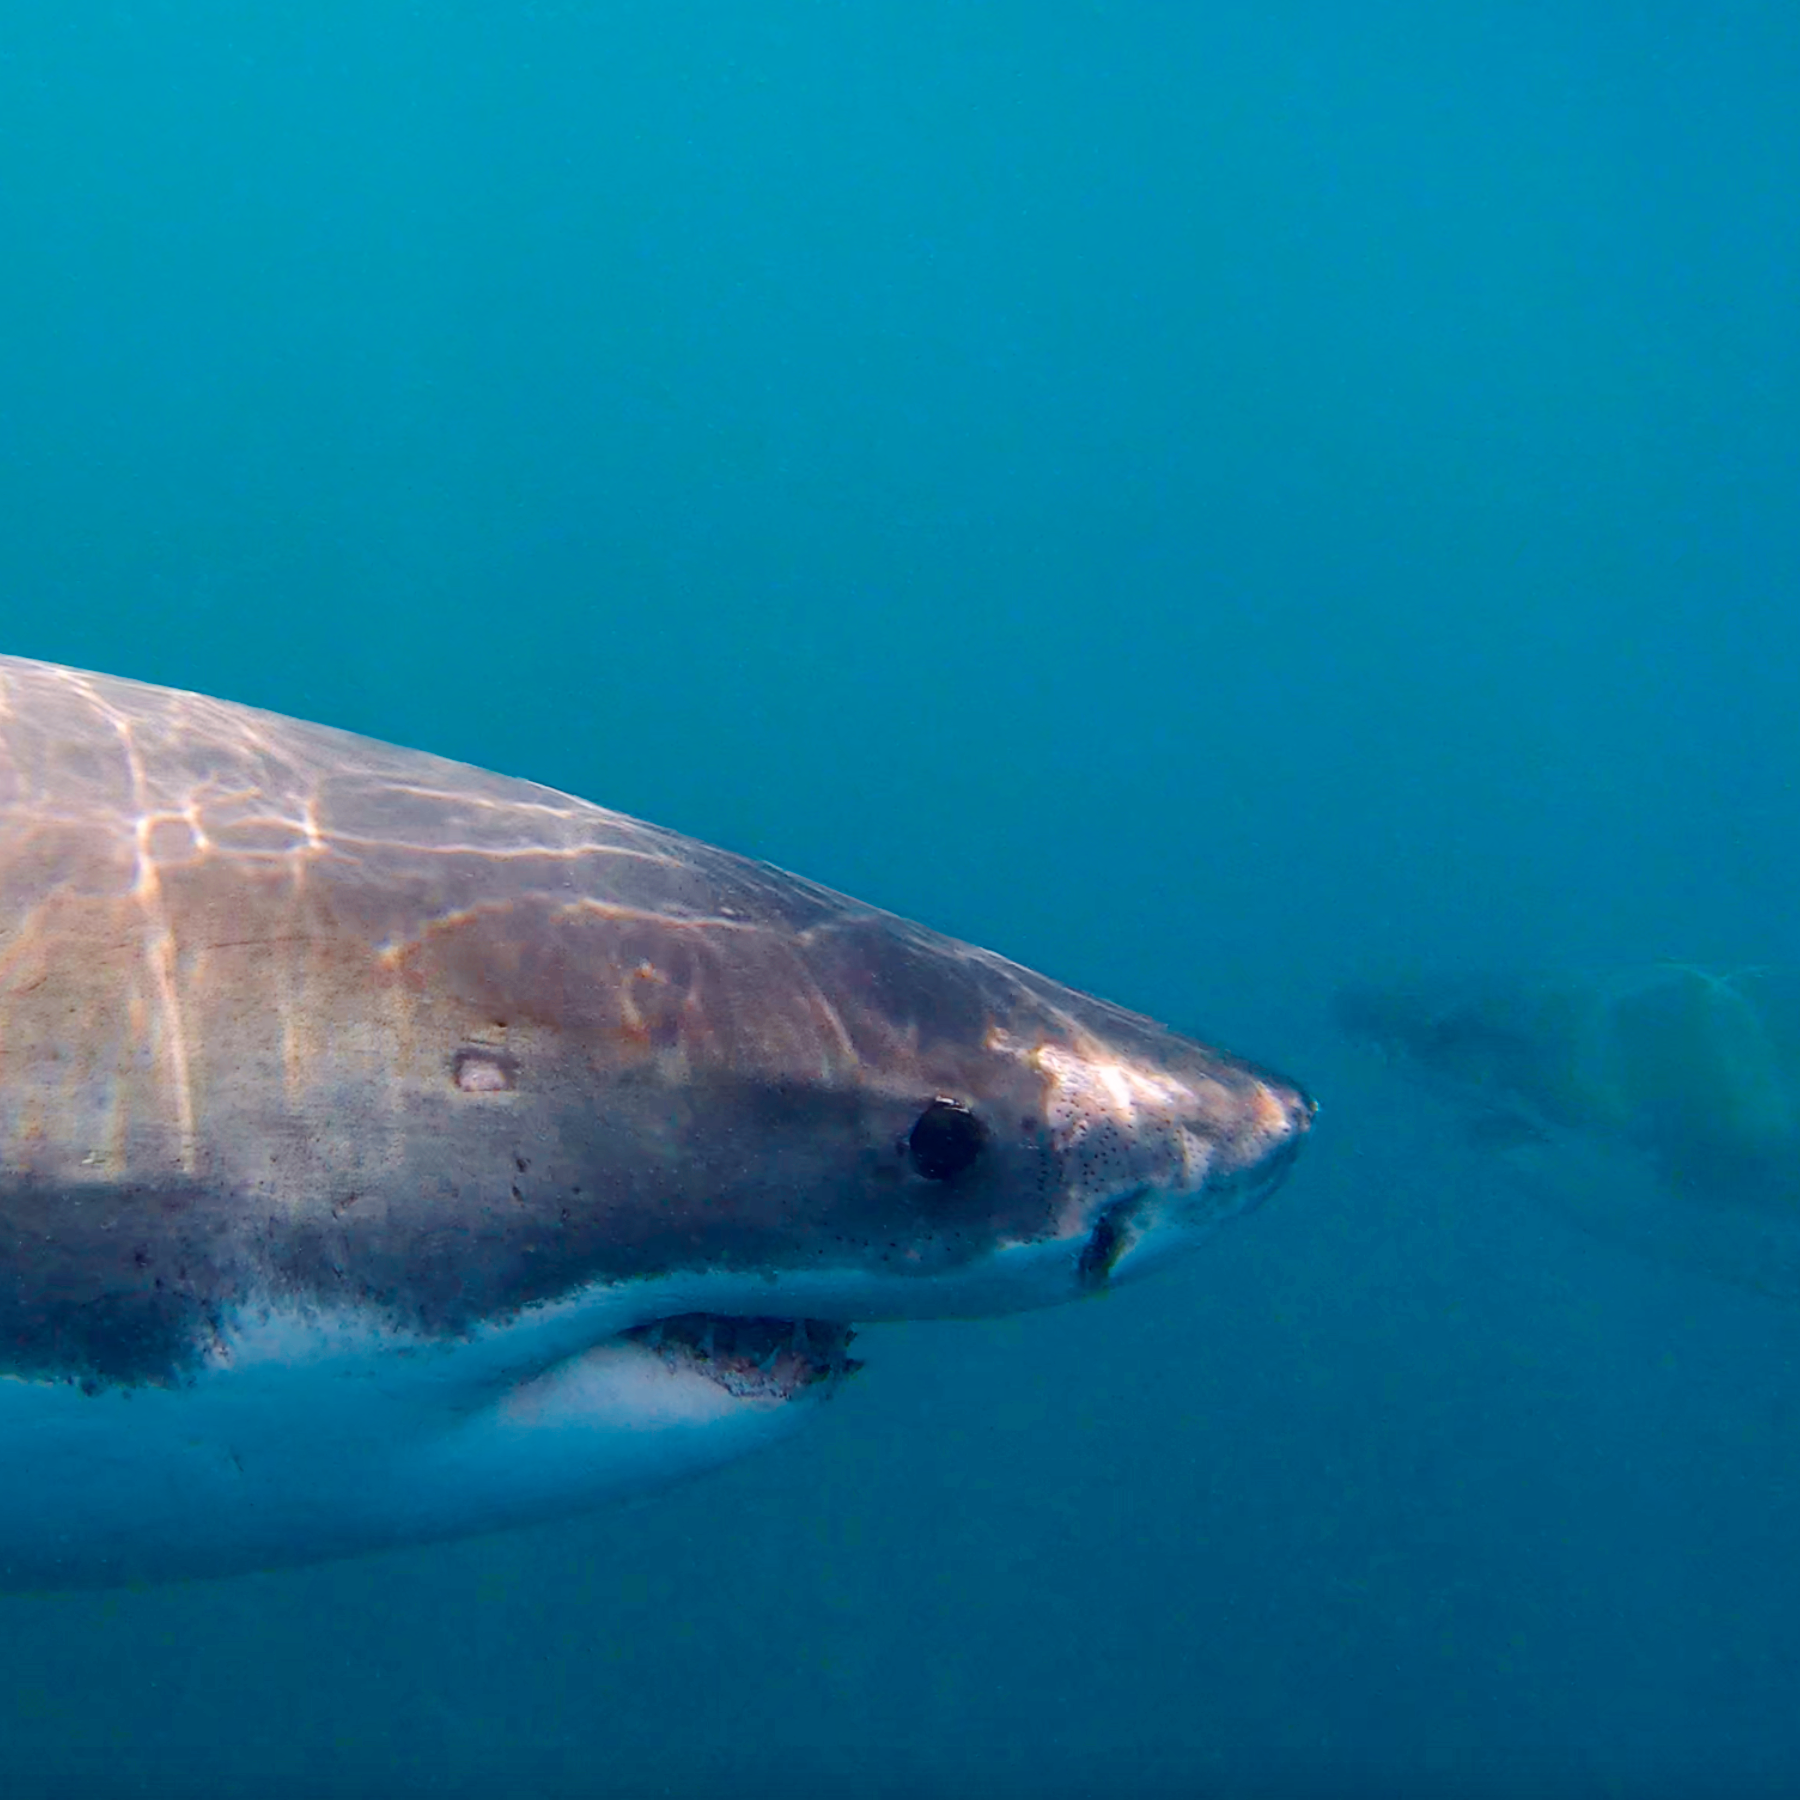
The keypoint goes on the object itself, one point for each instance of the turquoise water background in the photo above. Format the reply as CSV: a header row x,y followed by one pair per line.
x,y
1206,499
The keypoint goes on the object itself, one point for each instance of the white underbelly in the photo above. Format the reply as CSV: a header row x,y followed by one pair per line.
x,y
306,1438
270,1460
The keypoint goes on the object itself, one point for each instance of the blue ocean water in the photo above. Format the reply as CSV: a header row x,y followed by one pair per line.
x,y
1203,499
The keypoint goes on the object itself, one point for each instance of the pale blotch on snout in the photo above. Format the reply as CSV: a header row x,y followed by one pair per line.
x,y
483,1071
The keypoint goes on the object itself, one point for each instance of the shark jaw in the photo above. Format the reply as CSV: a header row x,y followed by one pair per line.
x,y
308,1436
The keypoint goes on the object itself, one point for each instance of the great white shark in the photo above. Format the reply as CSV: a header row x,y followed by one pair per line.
x,y
1654,1105
391,1150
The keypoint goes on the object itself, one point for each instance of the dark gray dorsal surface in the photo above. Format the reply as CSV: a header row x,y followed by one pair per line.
x,y
290,1016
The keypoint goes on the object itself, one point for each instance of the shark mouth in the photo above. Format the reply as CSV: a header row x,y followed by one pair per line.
x,y
753,1359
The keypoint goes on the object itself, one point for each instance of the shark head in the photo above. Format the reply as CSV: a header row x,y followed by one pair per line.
x,y
582,1146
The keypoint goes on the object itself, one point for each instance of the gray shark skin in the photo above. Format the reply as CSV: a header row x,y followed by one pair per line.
x,y
321,1054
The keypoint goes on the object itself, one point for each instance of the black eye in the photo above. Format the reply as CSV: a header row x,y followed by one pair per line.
x,y
945,1141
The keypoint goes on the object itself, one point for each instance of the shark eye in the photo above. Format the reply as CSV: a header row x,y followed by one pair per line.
x,y
945,1141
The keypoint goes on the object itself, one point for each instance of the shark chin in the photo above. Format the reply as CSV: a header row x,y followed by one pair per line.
x,y
391,1150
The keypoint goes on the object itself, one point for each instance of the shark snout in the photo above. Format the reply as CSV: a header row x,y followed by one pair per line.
x,y
1290,1111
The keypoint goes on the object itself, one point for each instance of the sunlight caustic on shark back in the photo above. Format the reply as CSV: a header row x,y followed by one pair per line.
x,y
389,1149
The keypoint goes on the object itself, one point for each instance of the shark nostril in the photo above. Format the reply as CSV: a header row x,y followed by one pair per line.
x,y
1282,1159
